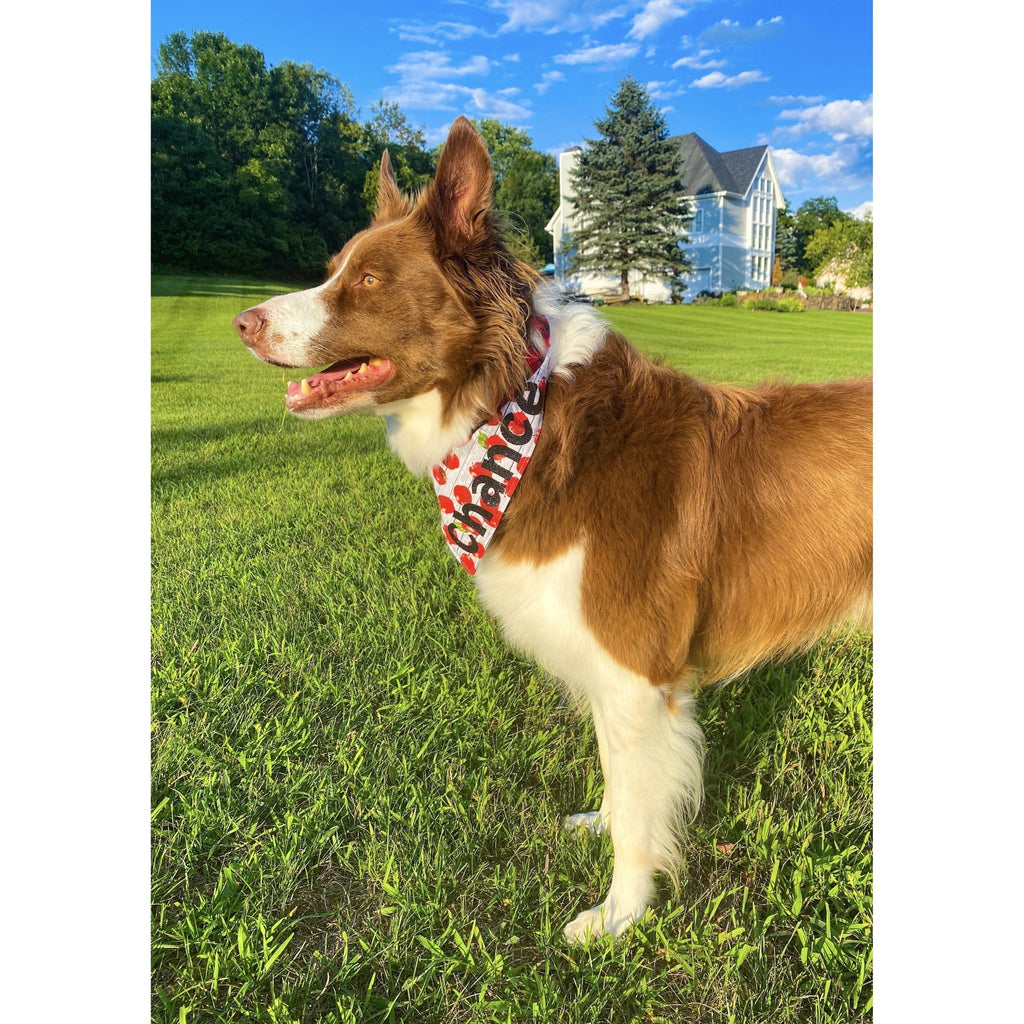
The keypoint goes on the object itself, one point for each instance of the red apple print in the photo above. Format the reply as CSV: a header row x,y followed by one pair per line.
x,y
477,469
522,464
494,439
451,460
447,505
493,423
467,564
439,474
462,494
510,487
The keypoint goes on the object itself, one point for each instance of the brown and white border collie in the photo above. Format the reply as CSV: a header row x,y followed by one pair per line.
x,y
666,534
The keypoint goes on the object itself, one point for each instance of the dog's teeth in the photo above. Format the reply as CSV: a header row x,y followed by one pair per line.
x,y
305,388
347,375
362,367
376,361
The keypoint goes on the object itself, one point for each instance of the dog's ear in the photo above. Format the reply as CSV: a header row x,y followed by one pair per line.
x,y
389,199
458,200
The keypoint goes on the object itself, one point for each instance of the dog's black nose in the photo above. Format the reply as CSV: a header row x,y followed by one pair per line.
x,y
249,324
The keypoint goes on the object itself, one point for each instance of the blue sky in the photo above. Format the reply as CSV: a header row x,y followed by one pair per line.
x,y
738,72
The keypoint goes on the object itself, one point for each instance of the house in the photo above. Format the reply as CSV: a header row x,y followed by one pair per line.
x,y
735,198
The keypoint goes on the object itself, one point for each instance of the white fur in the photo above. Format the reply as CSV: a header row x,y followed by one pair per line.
x,y
295,319
415,433
651,754
577,332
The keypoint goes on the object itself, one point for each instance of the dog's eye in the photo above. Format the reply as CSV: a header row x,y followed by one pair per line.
x,y
371,280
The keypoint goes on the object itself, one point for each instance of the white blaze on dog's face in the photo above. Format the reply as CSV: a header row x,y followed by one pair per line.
x,y
387,324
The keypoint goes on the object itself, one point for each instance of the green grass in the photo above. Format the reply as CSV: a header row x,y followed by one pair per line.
x,y
358,788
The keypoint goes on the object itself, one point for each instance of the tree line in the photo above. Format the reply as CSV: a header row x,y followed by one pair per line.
x,y
819,237
268,170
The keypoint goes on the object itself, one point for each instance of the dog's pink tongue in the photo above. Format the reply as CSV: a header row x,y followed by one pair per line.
x,y
334,372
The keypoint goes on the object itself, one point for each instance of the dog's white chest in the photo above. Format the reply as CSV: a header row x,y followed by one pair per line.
x,y
540,610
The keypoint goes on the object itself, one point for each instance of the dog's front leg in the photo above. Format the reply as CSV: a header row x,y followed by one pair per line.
x,y
597,822
652,759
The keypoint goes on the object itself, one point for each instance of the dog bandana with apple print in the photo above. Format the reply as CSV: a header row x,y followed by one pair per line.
x,y
476,480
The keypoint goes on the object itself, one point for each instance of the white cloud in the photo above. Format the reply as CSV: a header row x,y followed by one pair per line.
x,y
783,100
448,30
612,53
557,15
548,78
864,211
655,14
727,31
717,80
491,105
664,90
425,83
699,61
844,168
842,119
427,65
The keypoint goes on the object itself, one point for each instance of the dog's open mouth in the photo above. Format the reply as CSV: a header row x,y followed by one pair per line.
x,y
337,382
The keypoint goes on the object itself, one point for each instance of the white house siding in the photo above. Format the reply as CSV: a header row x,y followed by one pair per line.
x,y
761,230
731,241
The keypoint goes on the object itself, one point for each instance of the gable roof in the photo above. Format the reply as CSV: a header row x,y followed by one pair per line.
x,y
704,170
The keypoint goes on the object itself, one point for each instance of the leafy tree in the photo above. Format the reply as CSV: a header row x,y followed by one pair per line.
x,y
811,216
252,169
526,188
844,249
412,164
631,211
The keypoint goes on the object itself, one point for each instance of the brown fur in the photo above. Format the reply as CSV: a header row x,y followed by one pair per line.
x,y
722,526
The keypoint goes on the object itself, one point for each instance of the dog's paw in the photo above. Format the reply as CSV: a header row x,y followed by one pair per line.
x,y
597,921
586,926
592,821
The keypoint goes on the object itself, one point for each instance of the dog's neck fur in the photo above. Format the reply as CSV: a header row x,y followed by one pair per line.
x,y
416,428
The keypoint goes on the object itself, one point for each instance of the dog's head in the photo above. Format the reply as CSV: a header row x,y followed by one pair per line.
x,y
426,298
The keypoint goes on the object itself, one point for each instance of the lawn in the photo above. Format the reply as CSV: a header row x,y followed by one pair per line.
x,y
358,788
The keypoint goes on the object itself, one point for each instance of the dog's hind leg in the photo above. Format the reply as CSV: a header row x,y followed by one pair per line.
x,y
652,760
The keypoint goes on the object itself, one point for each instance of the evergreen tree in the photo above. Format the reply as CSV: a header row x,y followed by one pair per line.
x,y
786,241
631,211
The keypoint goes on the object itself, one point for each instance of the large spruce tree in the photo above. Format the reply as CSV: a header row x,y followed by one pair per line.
x,y
631,211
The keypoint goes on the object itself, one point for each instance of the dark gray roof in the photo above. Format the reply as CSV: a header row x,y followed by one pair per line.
x,y
705,170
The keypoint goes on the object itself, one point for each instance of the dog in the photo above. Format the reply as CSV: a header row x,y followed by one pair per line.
x,y
636,531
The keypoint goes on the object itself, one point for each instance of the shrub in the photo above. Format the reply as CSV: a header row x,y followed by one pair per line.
x,y
730,299
774,305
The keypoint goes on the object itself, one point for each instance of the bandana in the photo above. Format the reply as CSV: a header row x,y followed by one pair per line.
x,y
476,480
